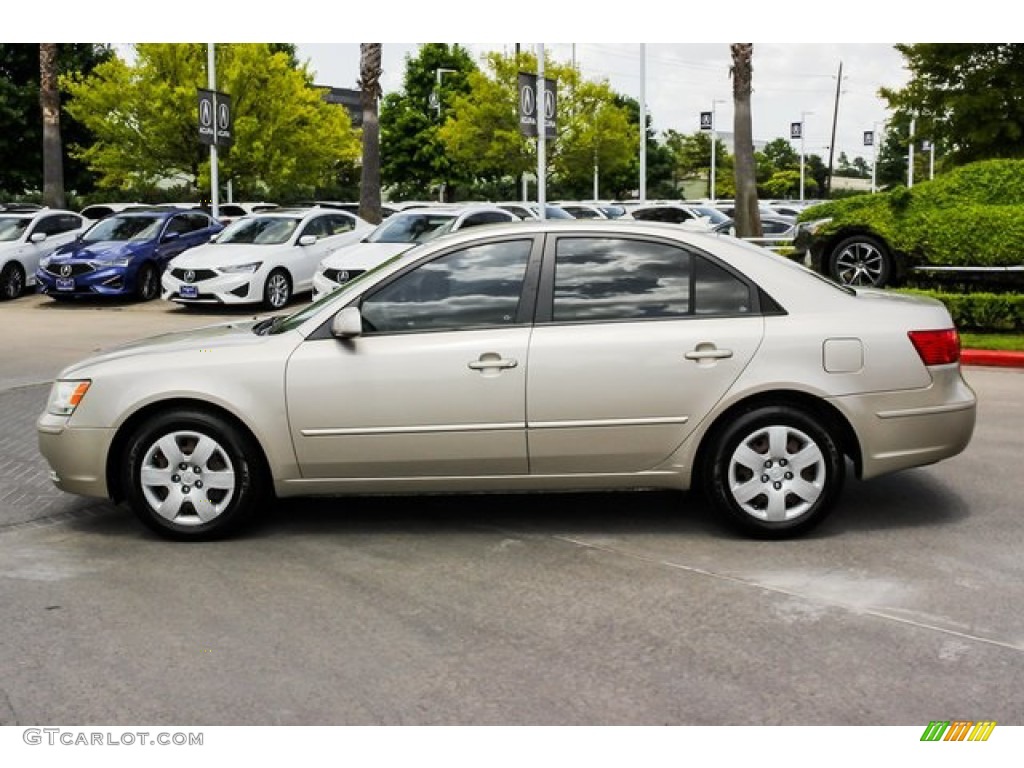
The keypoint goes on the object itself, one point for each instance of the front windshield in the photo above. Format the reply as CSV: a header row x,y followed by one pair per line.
x,y
411,227
714,215
124,228
259,230
12,227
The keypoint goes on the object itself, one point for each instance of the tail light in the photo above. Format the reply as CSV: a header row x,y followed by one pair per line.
x,y
937,347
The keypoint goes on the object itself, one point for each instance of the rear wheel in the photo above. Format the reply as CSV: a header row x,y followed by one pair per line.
x,y
775,472
191,475
12,281
861,261
147,283
277,291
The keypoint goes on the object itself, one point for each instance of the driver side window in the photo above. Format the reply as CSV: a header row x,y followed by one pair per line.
x,y
479,286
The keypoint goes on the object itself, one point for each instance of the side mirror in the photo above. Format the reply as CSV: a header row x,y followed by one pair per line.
x,y
347,324
37,237
307,240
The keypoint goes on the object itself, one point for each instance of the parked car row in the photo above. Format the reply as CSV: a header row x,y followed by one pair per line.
x,y
267,254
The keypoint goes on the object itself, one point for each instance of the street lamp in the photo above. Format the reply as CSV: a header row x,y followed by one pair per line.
x,y
714,141
439,72
803,134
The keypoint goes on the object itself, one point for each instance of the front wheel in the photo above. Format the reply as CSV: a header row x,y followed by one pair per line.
x,y
191,475
861,261
147,283
277,291
775,472
12,281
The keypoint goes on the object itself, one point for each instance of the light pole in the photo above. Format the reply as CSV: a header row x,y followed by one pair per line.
x,y
803,135
714,141
910,155
439,72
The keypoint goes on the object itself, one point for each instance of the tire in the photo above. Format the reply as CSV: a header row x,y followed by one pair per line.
x,y
774,472
12,281
861,261
192,476
277,291
147,283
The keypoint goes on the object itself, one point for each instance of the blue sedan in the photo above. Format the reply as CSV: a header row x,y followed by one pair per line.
x,y
124,254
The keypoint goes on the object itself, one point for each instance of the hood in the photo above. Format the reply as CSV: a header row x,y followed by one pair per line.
x,y
364,255
211,337
104,250
211,255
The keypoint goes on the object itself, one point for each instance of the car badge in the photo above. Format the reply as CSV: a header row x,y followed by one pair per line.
x,y
342,276
190,276
65,270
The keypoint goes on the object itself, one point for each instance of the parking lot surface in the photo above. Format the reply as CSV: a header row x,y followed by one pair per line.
x,y
598,609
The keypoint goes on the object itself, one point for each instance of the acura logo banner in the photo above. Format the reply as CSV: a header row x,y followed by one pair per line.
x,y
65,270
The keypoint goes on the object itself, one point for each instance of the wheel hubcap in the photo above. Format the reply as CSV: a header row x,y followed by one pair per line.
x,y
187,478
860,264
13,285
777,474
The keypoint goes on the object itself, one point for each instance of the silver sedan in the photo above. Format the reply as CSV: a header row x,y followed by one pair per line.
x,y
538,356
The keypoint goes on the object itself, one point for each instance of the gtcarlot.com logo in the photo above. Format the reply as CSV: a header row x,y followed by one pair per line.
x,y
958,730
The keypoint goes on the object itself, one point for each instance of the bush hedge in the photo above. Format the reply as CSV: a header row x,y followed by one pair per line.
x,y
972,216
982,312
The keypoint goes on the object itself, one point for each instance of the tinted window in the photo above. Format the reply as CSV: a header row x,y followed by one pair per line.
x,y
618,279
476,286
484,217
611,279
337,224
718,291
316,227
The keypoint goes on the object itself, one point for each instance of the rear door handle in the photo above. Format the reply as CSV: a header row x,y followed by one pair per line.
x,y
708,352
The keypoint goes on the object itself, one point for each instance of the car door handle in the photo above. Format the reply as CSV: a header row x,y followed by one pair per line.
x,y
708,352
492,360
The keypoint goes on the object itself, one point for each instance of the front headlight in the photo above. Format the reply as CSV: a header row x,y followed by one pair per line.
x,y
236,268
66,395
120,261
811,227
45,262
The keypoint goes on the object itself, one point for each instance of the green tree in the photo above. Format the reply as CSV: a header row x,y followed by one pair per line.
x,y
780,151
21,120
288,141
691,157
482,131
965,97
415,162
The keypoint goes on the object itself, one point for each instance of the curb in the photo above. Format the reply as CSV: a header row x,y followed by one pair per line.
x,y
992,357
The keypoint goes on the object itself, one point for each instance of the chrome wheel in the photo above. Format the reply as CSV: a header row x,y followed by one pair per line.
x,y
277,291
187,478
777,474
861,262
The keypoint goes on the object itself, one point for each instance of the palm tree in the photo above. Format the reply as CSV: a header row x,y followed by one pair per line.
x,y
748,219
49,102
370,93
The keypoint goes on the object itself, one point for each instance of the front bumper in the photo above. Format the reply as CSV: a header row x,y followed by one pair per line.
x,y
77,457
101,281
239,288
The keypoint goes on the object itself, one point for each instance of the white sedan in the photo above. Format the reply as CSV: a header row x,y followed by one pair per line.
x,y
28,235
264,258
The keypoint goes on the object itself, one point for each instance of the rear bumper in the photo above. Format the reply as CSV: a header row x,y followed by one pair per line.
x,y
899,430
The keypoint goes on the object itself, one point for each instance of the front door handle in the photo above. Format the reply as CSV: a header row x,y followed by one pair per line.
x,y
492,360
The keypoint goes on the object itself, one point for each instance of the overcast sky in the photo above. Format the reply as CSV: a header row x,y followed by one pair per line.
x,y
684,73
684,79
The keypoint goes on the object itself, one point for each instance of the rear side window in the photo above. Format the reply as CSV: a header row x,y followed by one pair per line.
x,y
607,279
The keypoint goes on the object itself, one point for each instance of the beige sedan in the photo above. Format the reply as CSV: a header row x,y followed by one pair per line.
x,y
534,356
